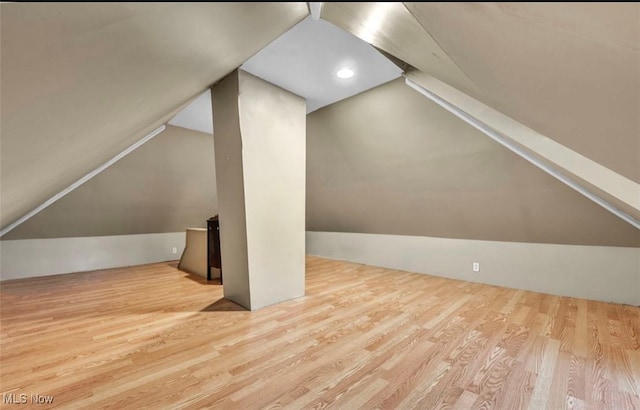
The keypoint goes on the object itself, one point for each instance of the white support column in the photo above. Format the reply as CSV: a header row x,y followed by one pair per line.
x,y
260,155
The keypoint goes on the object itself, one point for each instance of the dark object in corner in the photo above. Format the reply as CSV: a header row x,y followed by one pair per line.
x,y
213,246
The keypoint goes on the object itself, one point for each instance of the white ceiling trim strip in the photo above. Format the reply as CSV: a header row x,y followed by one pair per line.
x,y
81,181
502,140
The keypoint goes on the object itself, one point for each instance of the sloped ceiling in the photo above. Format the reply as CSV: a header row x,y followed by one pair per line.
x,y
571,71
81,82
166,185
391,27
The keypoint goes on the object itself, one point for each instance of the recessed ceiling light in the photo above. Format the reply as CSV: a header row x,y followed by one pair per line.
x,y
345,73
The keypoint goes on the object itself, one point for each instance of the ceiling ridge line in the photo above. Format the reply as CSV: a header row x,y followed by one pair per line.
x,y
438,44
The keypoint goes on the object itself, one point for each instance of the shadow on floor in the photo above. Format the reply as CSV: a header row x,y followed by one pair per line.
x,y
224,305
201,280
197,278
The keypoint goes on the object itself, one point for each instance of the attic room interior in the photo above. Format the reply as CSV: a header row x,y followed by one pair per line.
x,y
420,205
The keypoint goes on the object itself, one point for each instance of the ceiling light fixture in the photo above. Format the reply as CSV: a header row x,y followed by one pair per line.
x,y
345,72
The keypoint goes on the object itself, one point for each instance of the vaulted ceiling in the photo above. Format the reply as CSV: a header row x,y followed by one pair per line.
x,y
81,82
571,71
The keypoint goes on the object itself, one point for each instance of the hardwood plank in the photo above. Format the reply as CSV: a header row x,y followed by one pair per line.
x,y
516,392
560,382
574,404
576,383
580,334
465,401
362,337
540,395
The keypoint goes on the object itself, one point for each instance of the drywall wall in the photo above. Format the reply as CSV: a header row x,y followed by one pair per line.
x,y
591,272
605,187
41,257
166,185
389,161
260,171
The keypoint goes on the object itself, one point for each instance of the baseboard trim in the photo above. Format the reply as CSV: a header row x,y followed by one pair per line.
x,y
609,274
27,258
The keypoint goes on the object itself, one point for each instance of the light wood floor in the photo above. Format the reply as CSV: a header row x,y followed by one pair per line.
x,y
363,337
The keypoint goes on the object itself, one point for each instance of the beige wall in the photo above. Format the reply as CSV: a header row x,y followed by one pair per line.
x,y
389,161
42,257
166,185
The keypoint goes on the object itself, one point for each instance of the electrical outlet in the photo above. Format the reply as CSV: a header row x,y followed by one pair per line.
x,y
174,250
476,267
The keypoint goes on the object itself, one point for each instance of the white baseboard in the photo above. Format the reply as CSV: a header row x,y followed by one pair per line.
x,y
610,274
41,257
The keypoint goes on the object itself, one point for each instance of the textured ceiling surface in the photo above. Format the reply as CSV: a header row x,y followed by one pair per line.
x,y
81,82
